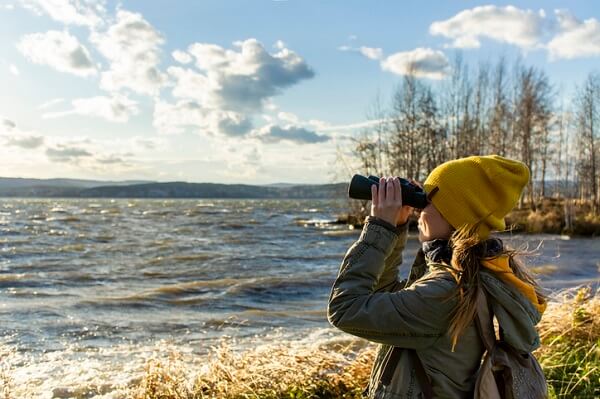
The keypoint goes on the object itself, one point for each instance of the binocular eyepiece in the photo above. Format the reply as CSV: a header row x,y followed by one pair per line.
x,y
412,195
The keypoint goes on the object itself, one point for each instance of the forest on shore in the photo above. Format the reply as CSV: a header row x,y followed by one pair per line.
x,y
503,108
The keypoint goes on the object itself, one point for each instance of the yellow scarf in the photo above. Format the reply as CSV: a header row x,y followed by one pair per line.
x,y
501,267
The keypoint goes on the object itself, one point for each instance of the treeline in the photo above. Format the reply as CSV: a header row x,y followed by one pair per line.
x,y
511,110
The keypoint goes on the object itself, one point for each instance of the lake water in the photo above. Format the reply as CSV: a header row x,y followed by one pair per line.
x,y
89,288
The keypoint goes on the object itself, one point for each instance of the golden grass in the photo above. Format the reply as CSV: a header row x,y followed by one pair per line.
x,y
339,367
544,222
6,382
550,218
570,351
277,370
570,332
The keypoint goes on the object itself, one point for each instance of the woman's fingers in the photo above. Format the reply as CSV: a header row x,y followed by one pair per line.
x,y
397,191
389,191
374,193
381,192
387,200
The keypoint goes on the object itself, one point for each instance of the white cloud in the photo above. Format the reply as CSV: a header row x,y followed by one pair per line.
x,y
299,135
59,50
335,132
190,84
14,137
576,38
132,46
181,56
147,143
189,115
225,88
70,12
26,141
372,53
326,126
6,125
110,159
35,154
51,103
243,80
66,153
117,108
288,117
509,24
90,156
177,118
422,62
14,70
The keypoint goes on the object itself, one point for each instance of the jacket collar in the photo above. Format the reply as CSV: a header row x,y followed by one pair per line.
x,y
440,251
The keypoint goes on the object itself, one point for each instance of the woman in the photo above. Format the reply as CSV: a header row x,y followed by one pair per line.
x,y
430,315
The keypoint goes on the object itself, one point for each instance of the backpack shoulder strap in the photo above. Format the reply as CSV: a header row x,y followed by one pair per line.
x,y
485,324
390,367
424,380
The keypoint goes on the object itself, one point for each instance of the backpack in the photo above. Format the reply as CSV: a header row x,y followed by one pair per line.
x,y
505,373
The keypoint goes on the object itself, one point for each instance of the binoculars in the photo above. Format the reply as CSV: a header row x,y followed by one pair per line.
x,y
412,195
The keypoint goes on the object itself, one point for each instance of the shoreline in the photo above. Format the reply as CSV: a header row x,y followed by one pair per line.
x,y
573,218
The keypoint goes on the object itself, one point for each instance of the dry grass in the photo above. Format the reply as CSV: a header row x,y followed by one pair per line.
x,y
570,351
550,218
6,382
287,370
570,332
545,222
339,367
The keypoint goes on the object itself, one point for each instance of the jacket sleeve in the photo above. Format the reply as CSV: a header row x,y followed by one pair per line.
x,y
388,281
414,317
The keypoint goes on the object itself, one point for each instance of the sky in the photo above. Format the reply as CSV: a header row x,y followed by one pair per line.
x,y
244,91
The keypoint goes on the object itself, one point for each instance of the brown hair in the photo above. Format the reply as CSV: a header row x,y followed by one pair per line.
x,y
468,250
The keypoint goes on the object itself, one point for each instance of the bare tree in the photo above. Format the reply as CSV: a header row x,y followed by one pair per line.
x,y
405,143
560,148
432,133
451,109
587,121
532,112
380,129
492,111
479,141
500,119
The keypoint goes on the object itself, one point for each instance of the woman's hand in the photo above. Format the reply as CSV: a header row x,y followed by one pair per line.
x,y
386,201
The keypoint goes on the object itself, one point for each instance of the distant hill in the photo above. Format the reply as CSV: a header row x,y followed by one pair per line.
x,y
279,185
23,182
10,187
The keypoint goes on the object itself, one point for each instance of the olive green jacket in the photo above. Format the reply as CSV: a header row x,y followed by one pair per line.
x,y
368,301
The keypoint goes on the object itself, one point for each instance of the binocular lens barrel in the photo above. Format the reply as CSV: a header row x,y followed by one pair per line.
x,y
412,195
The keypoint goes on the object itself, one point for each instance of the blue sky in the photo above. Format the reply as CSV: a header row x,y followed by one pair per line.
x,y
242,91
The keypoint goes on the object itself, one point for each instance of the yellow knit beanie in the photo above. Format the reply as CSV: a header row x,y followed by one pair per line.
x,y
477,189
